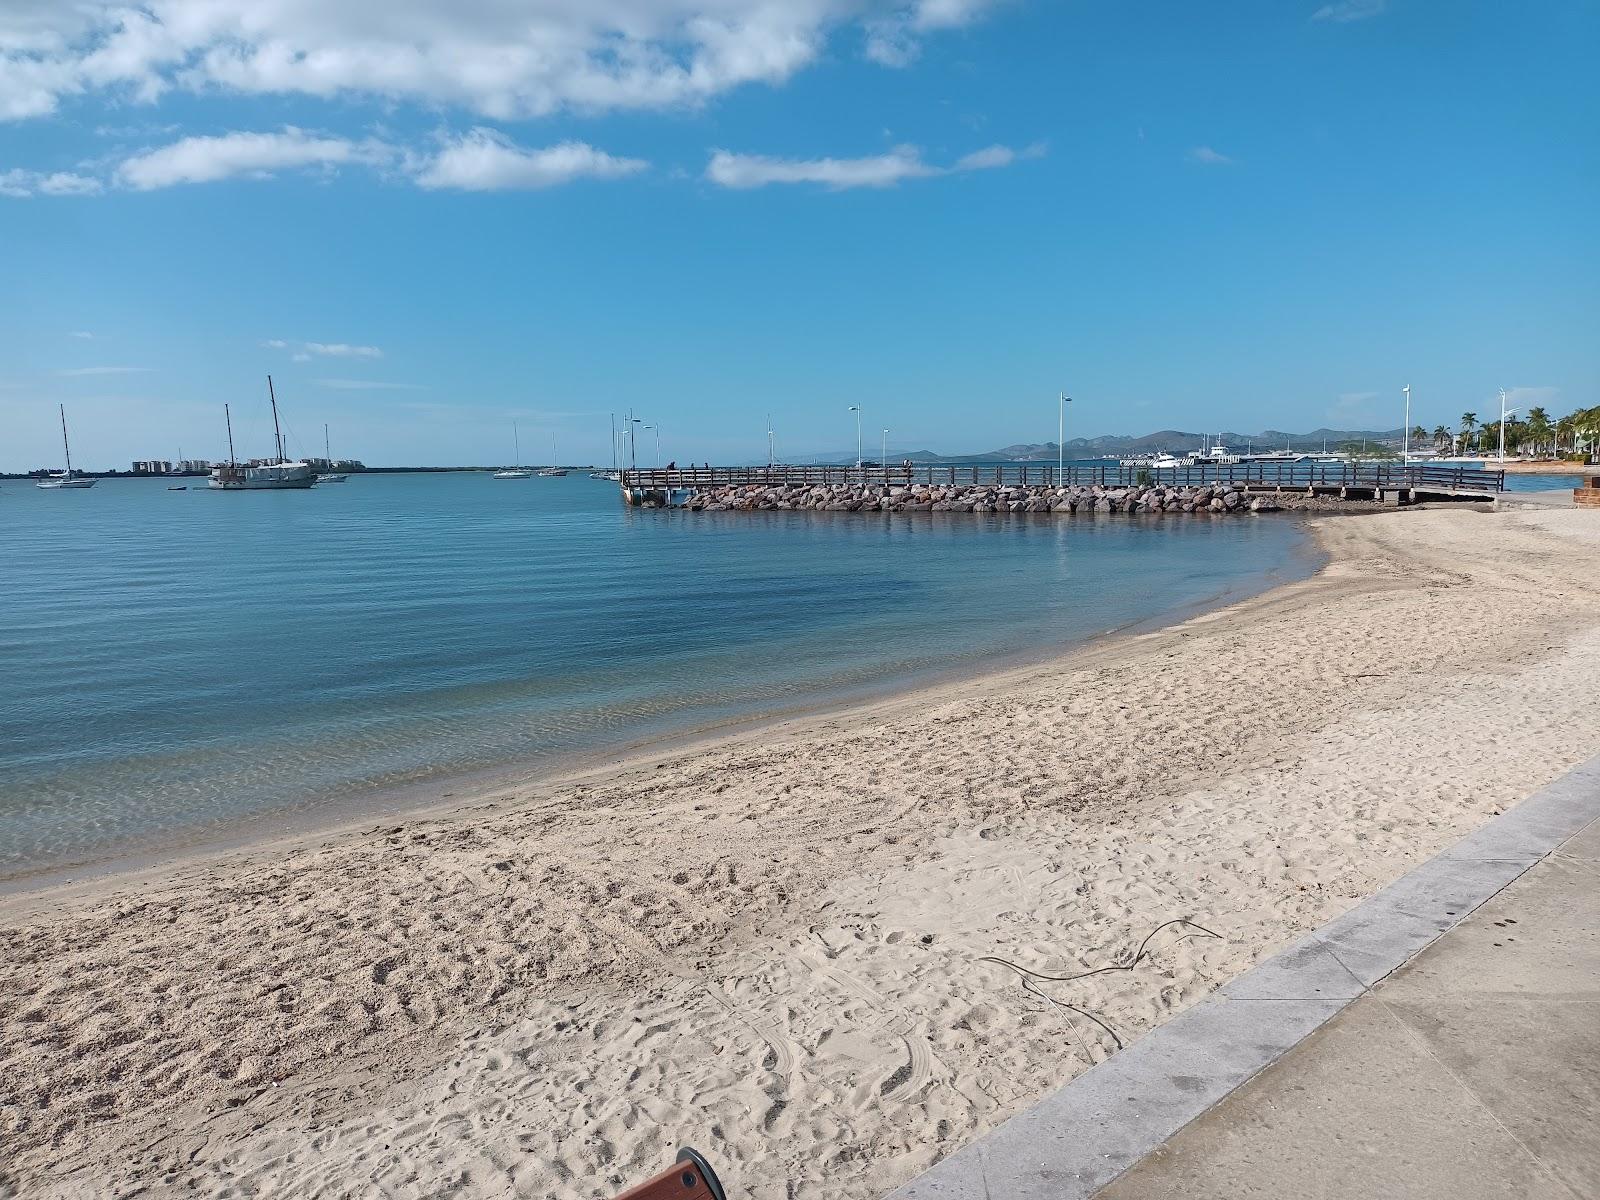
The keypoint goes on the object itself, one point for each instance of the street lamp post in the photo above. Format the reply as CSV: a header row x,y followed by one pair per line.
x,y
883,455
633,441
856,408
1061,438
1504,413
1405,444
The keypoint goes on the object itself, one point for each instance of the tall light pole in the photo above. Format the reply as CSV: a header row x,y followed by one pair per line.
x,y
1504,413
856,408
769,441
883,454
1061,438
1405,444
633,440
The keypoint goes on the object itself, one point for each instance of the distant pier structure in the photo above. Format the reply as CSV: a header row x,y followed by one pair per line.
x,y
1036,487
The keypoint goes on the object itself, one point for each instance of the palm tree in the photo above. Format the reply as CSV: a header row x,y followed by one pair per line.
x,y
1441,437
1469,422
1538,427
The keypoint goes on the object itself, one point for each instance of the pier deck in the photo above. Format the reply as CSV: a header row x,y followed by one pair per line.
x,y
1424,481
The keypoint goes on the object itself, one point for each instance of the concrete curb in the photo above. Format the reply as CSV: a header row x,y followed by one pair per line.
x,y
1079,1138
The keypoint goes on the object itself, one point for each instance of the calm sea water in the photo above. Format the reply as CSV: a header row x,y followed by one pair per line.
x,y
172,662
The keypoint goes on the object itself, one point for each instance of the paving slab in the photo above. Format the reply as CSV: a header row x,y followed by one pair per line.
x,y
1439,1041
1473,1070
1322,1124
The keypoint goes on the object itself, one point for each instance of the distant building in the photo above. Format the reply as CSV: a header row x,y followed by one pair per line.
x,y
152,466
195,465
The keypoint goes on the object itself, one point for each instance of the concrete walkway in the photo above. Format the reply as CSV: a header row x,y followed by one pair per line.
x,y
1441,1039
1473,1071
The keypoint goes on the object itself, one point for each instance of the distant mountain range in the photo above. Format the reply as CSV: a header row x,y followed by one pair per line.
x,y
1174,441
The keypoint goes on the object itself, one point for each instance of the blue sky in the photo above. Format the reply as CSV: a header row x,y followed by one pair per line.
x,y
430,219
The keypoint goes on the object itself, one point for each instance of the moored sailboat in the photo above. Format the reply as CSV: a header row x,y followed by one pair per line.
x,y
66,479
329,476
268,476
517,470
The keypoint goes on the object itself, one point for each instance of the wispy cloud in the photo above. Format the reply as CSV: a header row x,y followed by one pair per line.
x,y
485,160
368,385
745,171
342,350
305,351
1354,408
251,155
20,184
81,333
1341,11
1207,157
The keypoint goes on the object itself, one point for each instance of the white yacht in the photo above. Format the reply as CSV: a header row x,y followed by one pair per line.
x,y
1167,462
518,471
1213,454
277,474
66,479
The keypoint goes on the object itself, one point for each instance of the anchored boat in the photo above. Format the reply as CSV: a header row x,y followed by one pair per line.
x,y
276,475
66,479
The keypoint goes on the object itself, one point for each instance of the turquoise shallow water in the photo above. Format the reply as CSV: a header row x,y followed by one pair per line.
x,y
172,662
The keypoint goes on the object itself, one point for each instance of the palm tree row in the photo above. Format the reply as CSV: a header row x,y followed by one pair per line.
x,y
1576,433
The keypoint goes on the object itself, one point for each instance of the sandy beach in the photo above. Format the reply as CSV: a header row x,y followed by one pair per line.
x,y
780,947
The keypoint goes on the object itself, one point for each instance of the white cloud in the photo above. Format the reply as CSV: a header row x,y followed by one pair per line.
x,y
306,351
342,350
20,183
879,170
484,160
81,333
1341,11
367,385
894,39
84,371
502,60
1207,157
991,157
258,155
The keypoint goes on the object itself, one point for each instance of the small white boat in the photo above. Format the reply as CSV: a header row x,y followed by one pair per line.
x,y
1167,462
552,472
66,479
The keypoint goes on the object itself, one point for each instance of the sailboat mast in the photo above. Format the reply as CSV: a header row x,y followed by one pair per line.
x,y
228,417
516,445
66,448
613,442
326,453
277,434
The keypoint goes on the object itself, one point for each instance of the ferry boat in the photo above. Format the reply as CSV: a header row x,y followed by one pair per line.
x,y
278,474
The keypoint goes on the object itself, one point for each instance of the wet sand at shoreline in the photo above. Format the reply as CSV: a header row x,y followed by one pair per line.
x,y
771,947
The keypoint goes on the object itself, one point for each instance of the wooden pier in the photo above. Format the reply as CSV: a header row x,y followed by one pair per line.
x,y
1417,480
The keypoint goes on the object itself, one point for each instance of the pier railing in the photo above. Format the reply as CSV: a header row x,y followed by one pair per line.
x,y
1425,477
